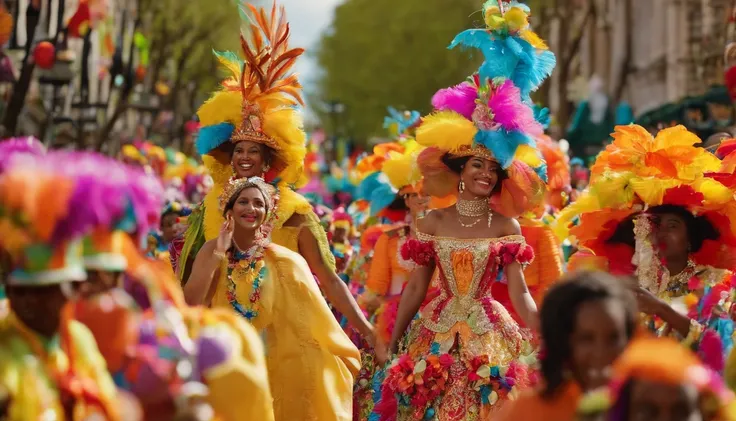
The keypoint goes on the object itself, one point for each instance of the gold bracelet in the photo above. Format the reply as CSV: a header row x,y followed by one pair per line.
x,y
221,254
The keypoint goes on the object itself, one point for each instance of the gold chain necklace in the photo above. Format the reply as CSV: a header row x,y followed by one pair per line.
x,y
473,209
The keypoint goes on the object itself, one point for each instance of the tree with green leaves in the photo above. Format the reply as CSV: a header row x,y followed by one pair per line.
x,y
181,37
381,53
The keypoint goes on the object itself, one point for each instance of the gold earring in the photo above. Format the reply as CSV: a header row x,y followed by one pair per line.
x,y
462,186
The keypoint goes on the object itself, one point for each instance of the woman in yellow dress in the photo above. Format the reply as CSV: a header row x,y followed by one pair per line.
x,y
250,128
311,361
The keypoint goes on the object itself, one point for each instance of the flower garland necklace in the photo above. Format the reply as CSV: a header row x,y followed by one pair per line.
x,y
246,264
250,263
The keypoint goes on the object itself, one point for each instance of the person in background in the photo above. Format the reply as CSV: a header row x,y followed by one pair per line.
x,y
587,320
657,379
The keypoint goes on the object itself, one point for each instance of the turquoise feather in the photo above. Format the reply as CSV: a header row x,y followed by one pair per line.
x,y
211,137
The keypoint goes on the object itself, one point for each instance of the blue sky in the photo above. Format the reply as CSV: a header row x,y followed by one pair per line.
x,y
308,19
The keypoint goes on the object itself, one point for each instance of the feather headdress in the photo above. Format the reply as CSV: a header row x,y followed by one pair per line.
x,y
661,361
34,201
112,213
402,169
19,148
510,48
639,171
494,117
257,101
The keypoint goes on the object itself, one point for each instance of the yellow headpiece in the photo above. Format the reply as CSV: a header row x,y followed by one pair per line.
x,y
258,100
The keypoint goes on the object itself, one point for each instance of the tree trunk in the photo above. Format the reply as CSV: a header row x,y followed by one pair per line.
x,y
618,93
565,69
125,92
20,89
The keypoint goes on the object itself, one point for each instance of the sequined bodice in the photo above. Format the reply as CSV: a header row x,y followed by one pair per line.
x,y
467,269
462,263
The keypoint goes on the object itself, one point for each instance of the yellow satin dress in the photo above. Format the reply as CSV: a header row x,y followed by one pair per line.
x,y
311,361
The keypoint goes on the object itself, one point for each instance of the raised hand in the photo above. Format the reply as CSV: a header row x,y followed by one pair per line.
x,y
225,239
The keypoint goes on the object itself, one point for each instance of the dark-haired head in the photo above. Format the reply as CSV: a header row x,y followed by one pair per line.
x,y
587,320
238,192
679,232
249,159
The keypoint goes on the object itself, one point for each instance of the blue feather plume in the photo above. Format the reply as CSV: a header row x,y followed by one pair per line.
x,y
210,137
541,114
366,187
503,144
510,57
377,190
381,197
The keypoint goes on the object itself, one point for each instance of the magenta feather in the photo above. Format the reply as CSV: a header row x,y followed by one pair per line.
x,y
106,193
460,98
19,148
711,350
511,113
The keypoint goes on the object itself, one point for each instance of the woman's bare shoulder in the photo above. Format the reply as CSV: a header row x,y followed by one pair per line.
x,y
430,222
507,225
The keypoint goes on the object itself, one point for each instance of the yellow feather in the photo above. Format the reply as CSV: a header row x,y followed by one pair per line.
x,y
532,38
446,130
234,68
285,126
222,107
528,155
402,169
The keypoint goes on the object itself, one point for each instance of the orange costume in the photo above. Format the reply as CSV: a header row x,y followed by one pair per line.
x,y
388,275
531,404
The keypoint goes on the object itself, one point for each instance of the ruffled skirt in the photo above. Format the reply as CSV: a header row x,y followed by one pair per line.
x,y
457,375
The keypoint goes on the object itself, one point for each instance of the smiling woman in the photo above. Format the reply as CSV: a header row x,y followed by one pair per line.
x,y
252,128
273,288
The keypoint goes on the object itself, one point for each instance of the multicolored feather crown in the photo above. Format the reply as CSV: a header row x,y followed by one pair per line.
x,y
34,202
639,171
510,48
259,98
477,114
113,212
662,361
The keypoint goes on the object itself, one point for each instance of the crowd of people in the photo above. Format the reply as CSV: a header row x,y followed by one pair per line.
x,y
468,269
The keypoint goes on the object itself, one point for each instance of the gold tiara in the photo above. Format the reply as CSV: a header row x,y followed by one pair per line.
x,y
478,151
237,185
251,128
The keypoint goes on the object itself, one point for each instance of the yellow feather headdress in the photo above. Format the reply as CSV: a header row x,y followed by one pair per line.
x,y
402,169
258,100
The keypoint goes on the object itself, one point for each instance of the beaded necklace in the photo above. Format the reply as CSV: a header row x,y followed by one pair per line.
x,y
246,264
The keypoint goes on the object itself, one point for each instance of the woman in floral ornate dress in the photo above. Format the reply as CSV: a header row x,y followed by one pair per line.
x,y
466,355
